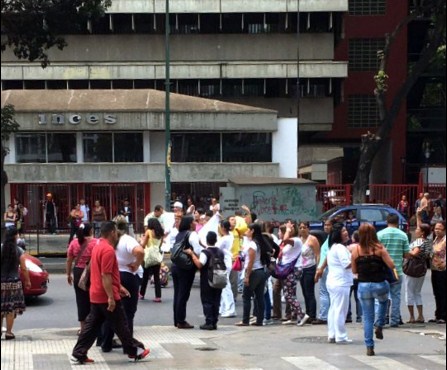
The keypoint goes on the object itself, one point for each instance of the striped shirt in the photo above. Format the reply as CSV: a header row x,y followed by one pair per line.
x,y
396,243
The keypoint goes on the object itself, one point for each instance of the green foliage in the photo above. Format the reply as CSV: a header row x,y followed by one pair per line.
x,y
381,79
9,124
31,27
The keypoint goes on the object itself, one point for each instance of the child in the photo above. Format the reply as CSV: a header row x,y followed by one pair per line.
x,y
210,297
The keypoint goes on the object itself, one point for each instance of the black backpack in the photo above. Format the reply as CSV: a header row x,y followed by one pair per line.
x,y
217,271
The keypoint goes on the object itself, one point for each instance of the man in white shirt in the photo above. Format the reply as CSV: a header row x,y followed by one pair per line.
x,y
85,210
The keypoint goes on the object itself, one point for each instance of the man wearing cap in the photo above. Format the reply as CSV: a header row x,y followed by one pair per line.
x,y
177,207
50,214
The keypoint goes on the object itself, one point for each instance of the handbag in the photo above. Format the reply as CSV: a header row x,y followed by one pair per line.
x,y
179,257
152,255
284,270
84,280
415,266
390,274
237,264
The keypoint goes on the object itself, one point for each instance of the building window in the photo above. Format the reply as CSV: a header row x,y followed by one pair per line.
x,y
128,147
97,147
61,148
195,147
367,7
363,54
247,147
30,148
363,111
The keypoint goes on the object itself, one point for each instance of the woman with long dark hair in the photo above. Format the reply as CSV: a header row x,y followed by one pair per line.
x,y
153,238
339,281
13,300
368,261
257,257
182,278
79,253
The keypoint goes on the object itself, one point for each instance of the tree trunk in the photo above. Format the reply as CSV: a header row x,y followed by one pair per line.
x,y
3,185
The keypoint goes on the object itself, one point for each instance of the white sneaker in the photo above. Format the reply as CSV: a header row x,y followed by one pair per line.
x,y
344,341
288,322
228,315
252,320
303,320
268,322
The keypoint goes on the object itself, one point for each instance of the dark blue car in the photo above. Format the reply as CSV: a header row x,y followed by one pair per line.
x,y
353,215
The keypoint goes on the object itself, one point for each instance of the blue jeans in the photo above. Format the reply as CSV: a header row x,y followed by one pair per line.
x,y
367,294
395,290
325,300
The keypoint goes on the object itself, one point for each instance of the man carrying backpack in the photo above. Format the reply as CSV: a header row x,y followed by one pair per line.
x,y
213,279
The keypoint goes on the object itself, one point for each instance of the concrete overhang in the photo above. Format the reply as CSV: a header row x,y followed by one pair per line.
x,y
267,181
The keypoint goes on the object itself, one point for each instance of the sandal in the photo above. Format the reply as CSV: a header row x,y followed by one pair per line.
x,y
9,336
411,321
241,323
420,321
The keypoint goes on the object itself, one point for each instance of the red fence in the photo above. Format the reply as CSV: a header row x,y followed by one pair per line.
x,y
333,195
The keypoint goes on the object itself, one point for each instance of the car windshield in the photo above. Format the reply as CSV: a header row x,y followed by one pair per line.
x,y
327,214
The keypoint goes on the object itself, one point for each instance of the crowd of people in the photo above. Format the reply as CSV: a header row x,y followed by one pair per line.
x,y
261,265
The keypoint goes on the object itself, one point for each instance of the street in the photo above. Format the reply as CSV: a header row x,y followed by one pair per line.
x,y
46,334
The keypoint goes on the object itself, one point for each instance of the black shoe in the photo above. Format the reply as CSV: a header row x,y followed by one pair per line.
x,y
319,322
116,344
207,327
349,319
379,333
185,325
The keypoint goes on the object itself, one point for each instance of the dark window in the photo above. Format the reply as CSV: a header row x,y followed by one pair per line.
x,y
232,23
101,84
195,147
254,87
78,84
102,25
209,23
144,23
187,87
254,23
12,85
62,148
30,148
57,84
209,88
143,84
362,111
122,23
186,23
97,147
363,54
232,88
122,84
367,7
35,84
128,147
247,147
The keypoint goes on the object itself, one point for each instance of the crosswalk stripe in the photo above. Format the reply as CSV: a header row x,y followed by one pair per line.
x,y
439,359
381,363
309,362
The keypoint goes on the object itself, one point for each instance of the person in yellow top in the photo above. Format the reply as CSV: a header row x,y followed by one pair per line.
x,y
239,225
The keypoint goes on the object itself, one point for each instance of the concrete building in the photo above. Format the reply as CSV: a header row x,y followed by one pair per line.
x,y
109,145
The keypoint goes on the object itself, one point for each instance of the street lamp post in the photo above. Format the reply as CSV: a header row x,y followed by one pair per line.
x,y
167,113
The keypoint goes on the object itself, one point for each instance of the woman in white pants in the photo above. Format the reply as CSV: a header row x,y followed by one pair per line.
x,y
227,306
339,281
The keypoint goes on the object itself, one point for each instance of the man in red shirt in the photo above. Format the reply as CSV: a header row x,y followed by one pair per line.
x,y
105,298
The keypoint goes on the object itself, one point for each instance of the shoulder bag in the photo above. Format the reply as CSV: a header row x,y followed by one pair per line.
x,y
153,255
415,266
179,257
284,270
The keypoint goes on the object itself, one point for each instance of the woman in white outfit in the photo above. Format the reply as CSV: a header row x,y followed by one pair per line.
x,y
227,306
338,284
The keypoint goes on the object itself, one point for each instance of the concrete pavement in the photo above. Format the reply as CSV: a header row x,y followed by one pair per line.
x,y
269,347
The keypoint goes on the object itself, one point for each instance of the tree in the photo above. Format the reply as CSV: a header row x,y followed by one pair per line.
x,y
9,125
434,45
30,28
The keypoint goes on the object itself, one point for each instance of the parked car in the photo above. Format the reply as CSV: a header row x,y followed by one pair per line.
x,y
355,214
38,275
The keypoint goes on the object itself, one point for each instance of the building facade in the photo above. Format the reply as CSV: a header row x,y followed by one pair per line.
x,y
109,145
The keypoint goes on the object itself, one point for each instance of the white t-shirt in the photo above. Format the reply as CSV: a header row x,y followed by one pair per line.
x,y
338,258
194,242
250,244
224,244
124,254
291,252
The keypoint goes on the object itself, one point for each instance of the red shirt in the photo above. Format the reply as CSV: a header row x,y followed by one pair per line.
x,y
103,261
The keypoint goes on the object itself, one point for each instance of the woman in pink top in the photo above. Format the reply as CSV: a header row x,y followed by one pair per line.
x,y
79,251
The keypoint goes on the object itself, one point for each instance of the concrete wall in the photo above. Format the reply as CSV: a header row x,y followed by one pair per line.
x,y
286,137
191,47
225,6
157,194
272,202
135,172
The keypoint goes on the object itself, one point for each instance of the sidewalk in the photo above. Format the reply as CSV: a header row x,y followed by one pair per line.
x,y
269,347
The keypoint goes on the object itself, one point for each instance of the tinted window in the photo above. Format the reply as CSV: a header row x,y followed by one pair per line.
x,y
97,147
372,215
62,148
247,147
197,147
128,147
30,148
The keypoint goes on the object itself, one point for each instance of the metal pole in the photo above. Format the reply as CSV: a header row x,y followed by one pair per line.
x,y
167,114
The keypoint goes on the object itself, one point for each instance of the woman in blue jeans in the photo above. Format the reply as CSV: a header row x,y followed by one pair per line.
x,y
368,261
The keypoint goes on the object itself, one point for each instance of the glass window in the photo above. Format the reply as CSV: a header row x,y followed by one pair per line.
x,y
62,148
367,7
363,54
97,147
362,111
247,147
30,148
128,147
195,147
